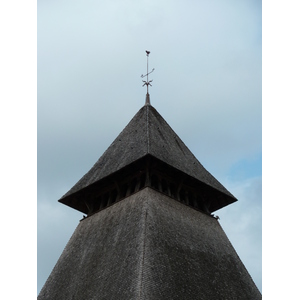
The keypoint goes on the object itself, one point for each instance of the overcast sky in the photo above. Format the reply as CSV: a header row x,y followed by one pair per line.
x,y
207,85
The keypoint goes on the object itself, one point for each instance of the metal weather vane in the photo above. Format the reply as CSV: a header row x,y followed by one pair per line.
x,y
147,82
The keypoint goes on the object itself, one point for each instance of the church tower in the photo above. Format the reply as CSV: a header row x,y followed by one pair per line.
x,y
149,232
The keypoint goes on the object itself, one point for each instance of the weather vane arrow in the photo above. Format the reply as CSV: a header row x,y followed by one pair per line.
x,y
147,82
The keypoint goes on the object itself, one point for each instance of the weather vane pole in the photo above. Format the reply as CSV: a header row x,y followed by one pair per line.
x,y
147,82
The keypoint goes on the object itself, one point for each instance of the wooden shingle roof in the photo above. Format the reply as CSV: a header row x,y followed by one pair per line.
x,y
149,233
147,134
149,247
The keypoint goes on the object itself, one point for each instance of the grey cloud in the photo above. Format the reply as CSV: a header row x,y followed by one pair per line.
x,y
206,84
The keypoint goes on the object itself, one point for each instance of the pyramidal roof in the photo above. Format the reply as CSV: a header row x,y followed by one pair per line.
x,y
147,134
139,241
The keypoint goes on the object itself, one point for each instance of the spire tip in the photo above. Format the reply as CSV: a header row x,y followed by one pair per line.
x,y
147,102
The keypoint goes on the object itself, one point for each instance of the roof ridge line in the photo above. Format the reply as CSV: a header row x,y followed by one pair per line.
x,y
147,124
142,262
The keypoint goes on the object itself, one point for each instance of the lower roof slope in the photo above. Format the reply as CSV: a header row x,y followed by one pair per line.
x,y
149,247
147,134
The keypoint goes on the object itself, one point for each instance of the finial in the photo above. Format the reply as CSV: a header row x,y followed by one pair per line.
x,y
147,82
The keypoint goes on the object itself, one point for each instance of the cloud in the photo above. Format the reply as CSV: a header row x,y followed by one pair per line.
x,y
206,84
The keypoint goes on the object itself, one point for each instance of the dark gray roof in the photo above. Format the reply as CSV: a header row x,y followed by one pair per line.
x,y
147,134
149,246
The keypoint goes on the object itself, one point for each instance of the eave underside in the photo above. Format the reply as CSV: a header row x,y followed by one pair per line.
x,y
148,172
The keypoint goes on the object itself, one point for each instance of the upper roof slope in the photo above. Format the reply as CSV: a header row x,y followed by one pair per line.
x,y
147,133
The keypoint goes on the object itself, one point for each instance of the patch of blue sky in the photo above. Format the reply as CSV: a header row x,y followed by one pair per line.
x,y
246,168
